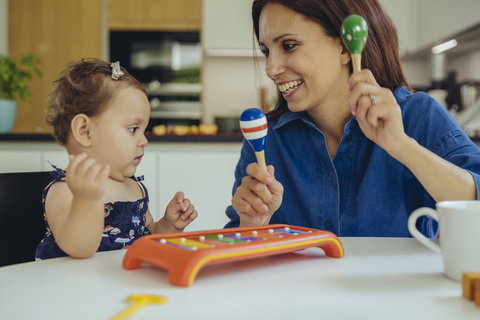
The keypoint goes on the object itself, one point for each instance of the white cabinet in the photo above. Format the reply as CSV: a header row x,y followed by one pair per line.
x,y
227,24
404,16
20,160
25,156
149,169
206,177
203,171
439,19
423,23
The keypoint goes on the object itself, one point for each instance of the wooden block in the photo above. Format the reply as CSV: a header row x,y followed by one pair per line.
x,y
477,293
468,283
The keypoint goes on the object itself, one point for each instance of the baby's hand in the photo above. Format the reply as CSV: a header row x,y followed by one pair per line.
x,y
180,212
85,178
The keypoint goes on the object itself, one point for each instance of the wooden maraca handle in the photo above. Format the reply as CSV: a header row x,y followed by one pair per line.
x,y
261,159
354,33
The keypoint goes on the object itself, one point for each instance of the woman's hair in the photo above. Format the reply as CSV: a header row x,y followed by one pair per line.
x,y
381,52
83,87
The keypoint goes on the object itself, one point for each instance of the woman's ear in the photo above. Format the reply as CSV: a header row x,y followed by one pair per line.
x,y
81,126
345,56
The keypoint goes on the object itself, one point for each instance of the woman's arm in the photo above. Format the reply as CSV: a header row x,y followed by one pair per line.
x,y
380,119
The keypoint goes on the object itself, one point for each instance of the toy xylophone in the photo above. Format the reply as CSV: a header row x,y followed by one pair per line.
x,y
184,254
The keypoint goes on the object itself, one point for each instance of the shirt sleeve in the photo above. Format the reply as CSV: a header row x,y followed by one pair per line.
x,y
428,122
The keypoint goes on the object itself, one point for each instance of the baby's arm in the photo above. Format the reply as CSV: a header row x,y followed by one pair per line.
x,y
179,213
75,210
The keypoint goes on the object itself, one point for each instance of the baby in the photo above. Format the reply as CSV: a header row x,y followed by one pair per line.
x,y
99,113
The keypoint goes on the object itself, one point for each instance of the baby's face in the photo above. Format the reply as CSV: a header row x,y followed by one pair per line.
x,y
118,134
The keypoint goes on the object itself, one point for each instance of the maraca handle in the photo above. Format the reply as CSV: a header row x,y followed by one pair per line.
x,y
356,62
261,159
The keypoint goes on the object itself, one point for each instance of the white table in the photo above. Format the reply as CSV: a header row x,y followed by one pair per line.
x,y
379,278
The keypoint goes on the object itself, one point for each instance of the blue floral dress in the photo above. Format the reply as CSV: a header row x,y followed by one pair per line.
x,y
124,223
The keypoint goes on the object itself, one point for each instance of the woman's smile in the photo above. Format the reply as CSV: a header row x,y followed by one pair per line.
x,y
290,87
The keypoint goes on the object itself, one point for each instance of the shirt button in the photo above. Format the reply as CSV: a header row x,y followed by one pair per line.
x,y
341,182
328,224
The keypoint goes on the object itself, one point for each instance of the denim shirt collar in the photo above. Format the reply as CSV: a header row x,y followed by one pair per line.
x,y
290,116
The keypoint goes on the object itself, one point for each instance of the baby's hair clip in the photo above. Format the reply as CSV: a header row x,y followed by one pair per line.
x,y
116,72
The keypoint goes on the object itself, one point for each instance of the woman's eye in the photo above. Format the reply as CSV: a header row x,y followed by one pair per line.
x,y
265,52
289,46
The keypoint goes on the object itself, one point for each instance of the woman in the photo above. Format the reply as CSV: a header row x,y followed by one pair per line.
x,y
354,154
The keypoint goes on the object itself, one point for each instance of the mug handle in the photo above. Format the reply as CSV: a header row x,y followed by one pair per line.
x,y
412,220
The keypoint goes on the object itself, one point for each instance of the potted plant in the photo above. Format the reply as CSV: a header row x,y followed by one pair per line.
x,y
13,85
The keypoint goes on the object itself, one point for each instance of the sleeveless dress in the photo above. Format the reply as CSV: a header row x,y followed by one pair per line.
x,y
124,223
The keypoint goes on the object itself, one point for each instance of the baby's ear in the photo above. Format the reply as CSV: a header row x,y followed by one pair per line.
x,y
81,125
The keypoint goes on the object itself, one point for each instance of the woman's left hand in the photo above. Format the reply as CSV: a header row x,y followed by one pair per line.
x,y
377,111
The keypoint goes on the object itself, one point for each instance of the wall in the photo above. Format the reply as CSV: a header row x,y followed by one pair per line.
x,y
3,27
232,84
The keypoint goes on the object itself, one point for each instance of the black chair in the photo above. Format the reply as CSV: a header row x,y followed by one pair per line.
x,y
22,226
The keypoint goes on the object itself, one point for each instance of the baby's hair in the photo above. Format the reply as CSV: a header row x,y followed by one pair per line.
x,y
83,87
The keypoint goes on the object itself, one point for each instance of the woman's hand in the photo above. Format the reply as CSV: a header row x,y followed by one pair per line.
x,y
377,111
258,197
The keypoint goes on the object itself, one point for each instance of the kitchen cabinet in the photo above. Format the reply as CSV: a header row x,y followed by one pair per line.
x,y
227,24
424,23
205,174
155,15
403,14
437,20
203,171
59,31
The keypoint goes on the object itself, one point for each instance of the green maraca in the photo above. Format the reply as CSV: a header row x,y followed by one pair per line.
x,y
354,33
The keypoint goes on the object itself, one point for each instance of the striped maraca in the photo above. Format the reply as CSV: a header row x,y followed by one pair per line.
x,y
254,128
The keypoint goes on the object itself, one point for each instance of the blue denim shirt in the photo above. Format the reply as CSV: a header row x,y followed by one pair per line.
x,y
363,191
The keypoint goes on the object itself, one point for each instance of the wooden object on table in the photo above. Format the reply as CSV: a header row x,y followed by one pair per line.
x,y
354,33
471,287
477,293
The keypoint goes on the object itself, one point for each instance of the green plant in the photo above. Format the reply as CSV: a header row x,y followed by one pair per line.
x,y
13,79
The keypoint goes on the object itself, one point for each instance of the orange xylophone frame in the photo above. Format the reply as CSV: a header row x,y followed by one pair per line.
x,y
183,262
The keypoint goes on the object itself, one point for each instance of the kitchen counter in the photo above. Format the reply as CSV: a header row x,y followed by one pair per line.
x,y
219,137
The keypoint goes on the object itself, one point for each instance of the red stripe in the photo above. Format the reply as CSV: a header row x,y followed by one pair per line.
x,y
255,129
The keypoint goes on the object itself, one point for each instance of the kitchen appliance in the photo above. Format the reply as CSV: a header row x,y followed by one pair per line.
x,y
168,65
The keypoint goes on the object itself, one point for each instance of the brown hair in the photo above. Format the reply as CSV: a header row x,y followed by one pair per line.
x,y
381,53
83,87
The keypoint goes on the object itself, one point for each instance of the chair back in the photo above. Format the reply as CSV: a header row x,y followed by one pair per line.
x,y
21,215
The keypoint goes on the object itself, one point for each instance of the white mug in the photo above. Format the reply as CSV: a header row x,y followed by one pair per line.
x,y
459,223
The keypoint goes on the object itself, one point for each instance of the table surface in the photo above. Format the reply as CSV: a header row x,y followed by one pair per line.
x,y
379,278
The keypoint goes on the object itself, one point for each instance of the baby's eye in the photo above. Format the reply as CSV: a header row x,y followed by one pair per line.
x,y
133,130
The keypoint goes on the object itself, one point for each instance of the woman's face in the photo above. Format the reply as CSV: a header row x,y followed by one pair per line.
x,y
309,68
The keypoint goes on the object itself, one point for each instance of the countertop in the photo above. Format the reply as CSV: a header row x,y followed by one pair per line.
x,y
379,278
219,137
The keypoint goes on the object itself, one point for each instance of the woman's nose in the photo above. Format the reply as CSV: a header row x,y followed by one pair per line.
x,y
274,66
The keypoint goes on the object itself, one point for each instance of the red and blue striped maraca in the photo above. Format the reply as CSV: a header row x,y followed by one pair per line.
x,y
253,124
